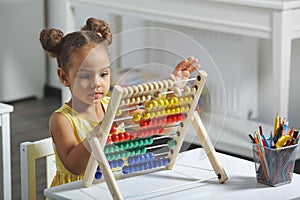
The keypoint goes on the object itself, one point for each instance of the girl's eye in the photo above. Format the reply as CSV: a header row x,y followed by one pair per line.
x,y
104,74
84,76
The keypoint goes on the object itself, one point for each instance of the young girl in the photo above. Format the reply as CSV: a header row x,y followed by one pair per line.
x,y
83,67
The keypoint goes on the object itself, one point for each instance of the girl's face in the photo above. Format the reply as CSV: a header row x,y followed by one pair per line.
x,y
89,75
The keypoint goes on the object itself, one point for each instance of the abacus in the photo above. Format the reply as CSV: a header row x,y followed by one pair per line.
x,y
155,107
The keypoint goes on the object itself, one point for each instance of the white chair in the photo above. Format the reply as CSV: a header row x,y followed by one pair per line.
x,y
29,152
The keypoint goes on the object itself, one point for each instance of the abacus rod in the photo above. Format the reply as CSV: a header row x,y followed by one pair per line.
x,y
137,125
159,154
184,80
164,136
123,118
131,108
157,146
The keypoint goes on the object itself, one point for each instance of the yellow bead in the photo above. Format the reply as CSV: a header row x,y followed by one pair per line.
x,y
146,115
163,112
166,102
178,110
161,102
175,100
119,112
136,116
155,103
153,114
148,105
158,113
173,110
168,111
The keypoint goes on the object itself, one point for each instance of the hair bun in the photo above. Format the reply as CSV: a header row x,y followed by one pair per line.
x,y
51,40
100,27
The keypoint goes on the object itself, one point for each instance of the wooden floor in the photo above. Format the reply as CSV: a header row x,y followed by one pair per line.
x,y
29,122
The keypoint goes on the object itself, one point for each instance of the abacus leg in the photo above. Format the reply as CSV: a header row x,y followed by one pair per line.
x,y
208,147
89,172
97,153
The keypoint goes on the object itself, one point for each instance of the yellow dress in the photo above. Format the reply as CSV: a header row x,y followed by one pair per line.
x,y
82,126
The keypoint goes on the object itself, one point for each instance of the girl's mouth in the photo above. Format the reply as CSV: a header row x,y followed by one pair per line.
x,y
97,95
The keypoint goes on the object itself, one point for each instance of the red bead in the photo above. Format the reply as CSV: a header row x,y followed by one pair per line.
x,y
179,117
151,132
132,135
115,138
108,141
161,130
126,136
141,133
113,129
144,123
121,137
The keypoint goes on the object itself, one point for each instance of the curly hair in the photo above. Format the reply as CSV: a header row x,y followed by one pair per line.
x,y
57,45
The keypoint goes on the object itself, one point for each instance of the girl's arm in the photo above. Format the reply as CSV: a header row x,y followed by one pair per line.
x,y
73,155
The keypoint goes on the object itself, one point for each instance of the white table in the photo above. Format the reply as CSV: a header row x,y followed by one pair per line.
x,y
5,111
277,20
241,183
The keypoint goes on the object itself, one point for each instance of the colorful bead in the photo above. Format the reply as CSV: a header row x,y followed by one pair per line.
x,y
146,115
119,112
136,116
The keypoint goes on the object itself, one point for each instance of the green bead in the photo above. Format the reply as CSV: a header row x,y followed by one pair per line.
x,y
150,140
113,156
112,148
136,143
126,145
171,144
141,143
137,151
108,157
106,149
143,150
130,145
121,146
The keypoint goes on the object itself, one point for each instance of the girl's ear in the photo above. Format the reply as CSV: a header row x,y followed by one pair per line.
x,y
63,77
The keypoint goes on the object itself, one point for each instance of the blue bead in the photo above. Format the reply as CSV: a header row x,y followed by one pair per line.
x,y
160,162
125,170
165,161
98,175
142,158
146,166
151,156
141,167
150,164
130,169
155,163
131,161
137,159
136,168
120,163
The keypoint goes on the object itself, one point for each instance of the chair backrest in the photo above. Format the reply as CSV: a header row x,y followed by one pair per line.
x,y
29,153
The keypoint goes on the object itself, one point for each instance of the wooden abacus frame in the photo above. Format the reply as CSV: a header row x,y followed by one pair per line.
x,y
97,154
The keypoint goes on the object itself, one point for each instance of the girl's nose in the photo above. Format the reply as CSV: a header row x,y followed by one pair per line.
x,y
97,82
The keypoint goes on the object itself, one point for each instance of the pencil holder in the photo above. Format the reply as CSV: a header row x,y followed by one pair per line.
x,y
274,166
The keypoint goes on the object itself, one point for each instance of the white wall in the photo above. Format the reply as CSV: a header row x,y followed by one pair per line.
x,y
22,61
244,64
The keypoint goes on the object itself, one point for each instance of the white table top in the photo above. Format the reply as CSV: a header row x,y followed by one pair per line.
x,y
241,183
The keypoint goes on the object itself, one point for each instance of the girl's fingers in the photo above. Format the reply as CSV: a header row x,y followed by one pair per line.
x,y
181,65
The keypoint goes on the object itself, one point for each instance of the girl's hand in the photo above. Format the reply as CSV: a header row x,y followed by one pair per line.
x,y
183,71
